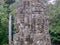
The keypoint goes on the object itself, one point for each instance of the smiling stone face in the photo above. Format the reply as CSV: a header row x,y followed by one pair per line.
x,y
32,23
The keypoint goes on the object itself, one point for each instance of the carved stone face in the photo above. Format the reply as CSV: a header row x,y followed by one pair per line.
x,y
32,24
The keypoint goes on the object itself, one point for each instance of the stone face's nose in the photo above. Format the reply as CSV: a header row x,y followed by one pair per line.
x,y
33,23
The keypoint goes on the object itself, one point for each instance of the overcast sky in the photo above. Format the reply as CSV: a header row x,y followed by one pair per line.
x,y
51,1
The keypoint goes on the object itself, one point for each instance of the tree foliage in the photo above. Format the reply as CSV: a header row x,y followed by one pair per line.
x,y
3,23
54,13
4,11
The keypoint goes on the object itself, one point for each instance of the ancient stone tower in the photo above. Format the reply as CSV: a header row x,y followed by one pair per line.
x,y
31,23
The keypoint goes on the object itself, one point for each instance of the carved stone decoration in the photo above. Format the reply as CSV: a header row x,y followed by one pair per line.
x,y
31,23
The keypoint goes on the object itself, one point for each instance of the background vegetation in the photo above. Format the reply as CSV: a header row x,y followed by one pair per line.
x,y
54,13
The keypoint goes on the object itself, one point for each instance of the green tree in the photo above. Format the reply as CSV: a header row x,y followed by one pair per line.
x,y
4,10
54,13
3,23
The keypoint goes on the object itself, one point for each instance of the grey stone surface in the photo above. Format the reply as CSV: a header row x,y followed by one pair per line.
x,y
31,23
